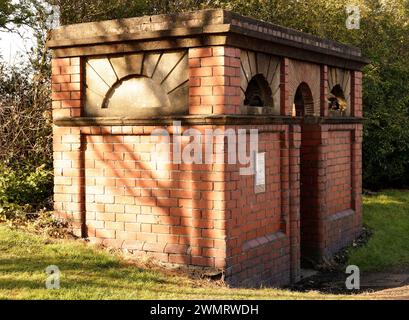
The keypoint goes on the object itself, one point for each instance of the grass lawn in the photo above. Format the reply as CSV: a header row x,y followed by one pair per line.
x,y
387,215
91,273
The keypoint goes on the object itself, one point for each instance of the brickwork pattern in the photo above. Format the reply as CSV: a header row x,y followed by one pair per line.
x,y
214,80
112,190
258,239
338,171
331,168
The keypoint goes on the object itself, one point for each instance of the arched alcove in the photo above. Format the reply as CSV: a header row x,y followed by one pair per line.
x,y
337,103
260,83
137,85
127,93
303,101
258,93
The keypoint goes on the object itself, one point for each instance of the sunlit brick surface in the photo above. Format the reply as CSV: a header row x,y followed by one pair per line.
x,y
112,187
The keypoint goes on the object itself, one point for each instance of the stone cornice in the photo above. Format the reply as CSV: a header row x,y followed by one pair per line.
x,y
200,28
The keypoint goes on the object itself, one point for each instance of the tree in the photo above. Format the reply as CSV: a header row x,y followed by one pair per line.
x,y
383,38
16,14
85,11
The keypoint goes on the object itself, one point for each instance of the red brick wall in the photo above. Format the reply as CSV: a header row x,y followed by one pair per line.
x,y
330,169
356,93
173,212
68,182
108,185
66,87
258,247
338,172
324,91
343,215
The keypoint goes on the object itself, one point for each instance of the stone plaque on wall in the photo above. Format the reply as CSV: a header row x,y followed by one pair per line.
x,y
260,172
139,85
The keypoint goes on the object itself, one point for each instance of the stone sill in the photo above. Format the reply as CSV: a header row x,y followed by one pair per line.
x,y
261,241
203,120
341,215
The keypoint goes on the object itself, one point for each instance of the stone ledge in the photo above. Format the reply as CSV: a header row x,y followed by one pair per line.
x,y
260,241
341,215
201,120
146,35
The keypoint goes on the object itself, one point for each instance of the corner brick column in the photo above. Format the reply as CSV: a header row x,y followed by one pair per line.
x,y
214,80
357,111
66,87
285,102
324,91
357,177
356,93
295,144
322,181
68,166
294,174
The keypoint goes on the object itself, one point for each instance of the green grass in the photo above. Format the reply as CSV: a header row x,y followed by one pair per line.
x,y
92,273
387,216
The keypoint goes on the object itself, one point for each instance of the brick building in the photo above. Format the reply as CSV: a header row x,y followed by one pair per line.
x,y
115,82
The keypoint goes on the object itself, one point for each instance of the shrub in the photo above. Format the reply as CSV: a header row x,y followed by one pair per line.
x,y
25,139
24,190
41,222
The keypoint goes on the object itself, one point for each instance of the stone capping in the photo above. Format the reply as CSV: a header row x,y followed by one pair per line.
x,y
216,21
103,30
341,215
288,34
201,120
260,241
332,120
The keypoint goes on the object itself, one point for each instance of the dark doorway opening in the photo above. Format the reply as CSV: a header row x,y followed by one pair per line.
x,y
304,106
258,93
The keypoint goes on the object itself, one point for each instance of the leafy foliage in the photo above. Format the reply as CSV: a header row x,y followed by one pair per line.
x,y
23,190
25,117
15,13
86,11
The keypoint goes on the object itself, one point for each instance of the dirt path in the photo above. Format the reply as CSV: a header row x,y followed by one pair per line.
x,y
401,293
372,285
